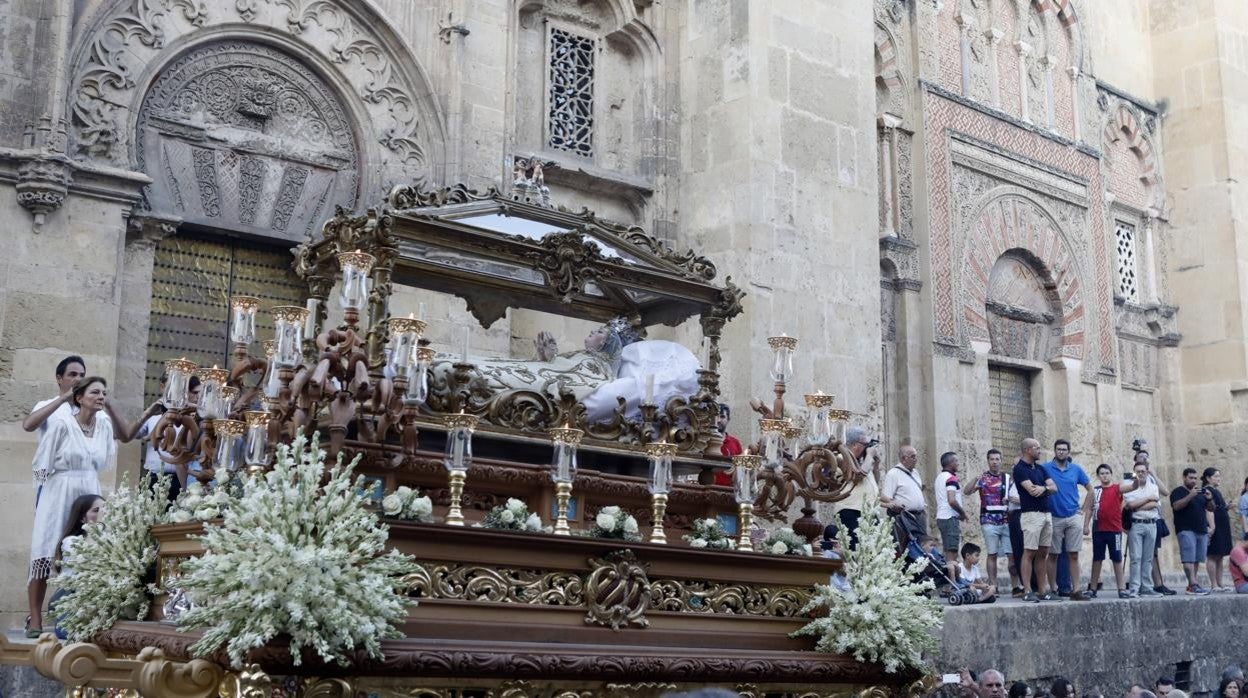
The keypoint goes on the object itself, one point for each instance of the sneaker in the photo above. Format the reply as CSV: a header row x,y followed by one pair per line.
x,y
1091,593
1197,590
1164,590
1017,592
1048,596
1030,597
1149,592
1125,594
1079,596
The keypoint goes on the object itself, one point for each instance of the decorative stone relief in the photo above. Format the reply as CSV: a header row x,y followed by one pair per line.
x,y
241,135
128,39
43,180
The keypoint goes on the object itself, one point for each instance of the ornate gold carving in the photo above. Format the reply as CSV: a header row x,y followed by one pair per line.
x,y
704,596
84,664
404,196
568,261
251,682
617,591
476,583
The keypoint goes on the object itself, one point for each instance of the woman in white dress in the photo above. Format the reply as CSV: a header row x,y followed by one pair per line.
x,y
67,465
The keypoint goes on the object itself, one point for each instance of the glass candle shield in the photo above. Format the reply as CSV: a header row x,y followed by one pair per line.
x,y
355,268
563,462
418,385
177,383
459,428
272,382
782,348
256,444
660,455
243,319
820,422
404,334
211,392
773,433
745,477
229,443
288,332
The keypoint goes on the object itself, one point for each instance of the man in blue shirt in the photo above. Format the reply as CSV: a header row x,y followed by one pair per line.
x,y
1067,522
1034,489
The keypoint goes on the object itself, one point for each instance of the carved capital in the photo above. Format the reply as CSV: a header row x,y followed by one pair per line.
x,y
42,184
903,255
149,230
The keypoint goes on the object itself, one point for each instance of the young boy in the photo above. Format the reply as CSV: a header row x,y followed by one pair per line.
x,y
1105,506
970,576
832,550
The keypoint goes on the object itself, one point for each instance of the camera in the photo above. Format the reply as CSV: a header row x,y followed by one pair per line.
x,y
1138,445
873,443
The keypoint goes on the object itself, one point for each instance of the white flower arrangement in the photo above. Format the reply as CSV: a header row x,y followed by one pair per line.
x,y
886,616
512,516
710,533
407,504
785,541
105,568
614,522
297,558
195,504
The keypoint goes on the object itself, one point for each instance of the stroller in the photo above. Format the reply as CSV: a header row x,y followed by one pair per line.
x,y
934,569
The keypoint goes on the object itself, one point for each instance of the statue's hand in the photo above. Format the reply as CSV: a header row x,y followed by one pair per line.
x,y
546,346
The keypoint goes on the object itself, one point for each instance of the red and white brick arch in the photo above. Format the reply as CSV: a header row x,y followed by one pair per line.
x,y
1010,221
1130,160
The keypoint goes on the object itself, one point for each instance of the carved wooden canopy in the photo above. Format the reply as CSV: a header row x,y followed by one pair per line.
x,y
496,252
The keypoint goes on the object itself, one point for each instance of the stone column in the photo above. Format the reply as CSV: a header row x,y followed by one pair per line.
x,y
890,189
967,24
1148,261
994,34
1024,56
143,233
1050,105
1076,113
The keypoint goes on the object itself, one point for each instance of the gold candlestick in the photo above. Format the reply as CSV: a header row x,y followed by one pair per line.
x,y
563,492
745,521
454,514
745,489
658,502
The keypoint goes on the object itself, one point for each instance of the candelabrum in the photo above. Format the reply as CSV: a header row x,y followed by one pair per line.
x,y
242,325
256,444
563,472
660,454
744,482
459,428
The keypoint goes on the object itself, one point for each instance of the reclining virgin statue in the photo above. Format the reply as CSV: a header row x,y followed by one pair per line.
x,y
615,363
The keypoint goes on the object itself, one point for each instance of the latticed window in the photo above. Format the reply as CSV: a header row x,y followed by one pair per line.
x,y
1128,280
570,121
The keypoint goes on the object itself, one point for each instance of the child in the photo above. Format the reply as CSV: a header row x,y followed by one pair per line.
x,y
970,576
86,509
1102,518
832,551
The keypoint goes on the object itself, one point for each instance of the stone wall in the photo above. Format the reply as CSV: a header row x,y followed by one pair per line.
x,y
1104,646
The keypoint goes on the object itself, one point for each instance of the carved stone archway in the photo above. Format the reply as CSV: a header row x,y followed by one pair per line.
x,y
241,136
125,44
1011,222
1022,309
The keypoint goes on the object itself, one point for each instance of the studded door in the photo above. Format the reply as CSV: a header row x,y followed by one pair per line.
x,y
193,279
1009,395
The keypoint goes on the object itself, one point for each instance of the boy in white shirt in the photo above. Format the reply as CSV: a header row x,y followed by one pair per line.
x,y
970,576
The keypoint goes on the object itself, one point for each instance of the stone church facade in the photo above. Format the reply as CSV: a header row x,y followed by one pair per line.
x,y
979,220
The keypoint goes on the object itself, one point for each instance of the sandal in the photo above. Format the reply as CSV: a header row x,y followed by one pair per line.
x,y
32,633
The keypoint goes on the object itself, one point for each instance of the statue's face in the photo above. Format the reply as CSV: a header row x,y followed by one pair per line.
x,y
595,340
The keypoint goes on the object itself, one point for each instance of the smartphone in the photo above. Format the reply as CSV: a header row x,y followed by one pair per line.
x,y
950,678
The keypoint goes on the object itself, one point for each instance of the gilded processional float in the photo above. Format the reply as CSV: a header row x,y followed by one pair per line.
x,y
503,611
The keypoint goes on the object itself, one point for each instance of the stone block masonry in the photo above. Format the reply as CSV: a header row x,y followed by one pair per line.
x,y
1103,645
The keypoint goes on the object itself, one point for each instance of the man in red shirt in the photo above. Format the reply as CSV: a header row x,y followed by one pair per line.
x,y
1105,506
731,447
1239,567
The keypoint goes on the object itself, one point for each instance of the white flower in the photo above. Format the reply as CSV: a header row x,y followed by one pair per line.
x,y
515,506
391,505
507,517
206,513
606,521
405,492
180,516
779,548
710,523
533,523
806,549
630,525
697,543
420,507
612,510
192,502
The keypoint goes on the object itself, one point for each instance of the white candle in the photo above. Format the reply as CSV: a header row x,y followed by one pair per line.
x,y
464,357
706,354
421,314
309,324
649,389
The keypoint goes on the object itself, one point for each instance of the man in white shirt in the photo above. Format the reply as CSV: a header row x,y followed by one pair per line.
x,y
949,512
1141,508
864,487
902,496
69,371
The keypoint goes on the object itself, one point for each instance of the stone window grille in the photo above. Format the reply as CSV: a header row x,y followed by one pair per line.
x,y
1128,277
570,115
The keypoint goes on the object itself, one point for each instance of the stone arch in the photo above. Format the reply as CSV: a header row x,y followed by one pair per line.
x,y
1022,308
891,95
1131,159
125,42
1007,220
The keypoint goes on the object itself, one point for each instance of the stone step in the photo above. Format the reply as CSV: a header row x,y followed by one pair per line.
x,y
24,681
